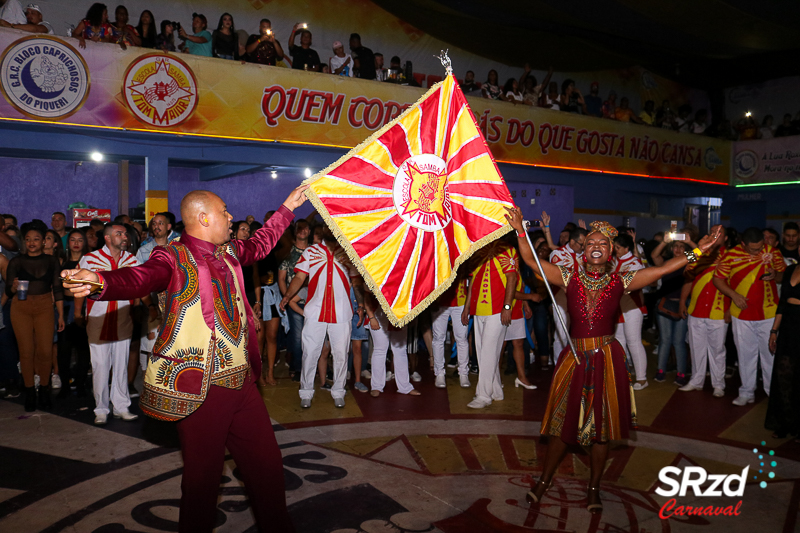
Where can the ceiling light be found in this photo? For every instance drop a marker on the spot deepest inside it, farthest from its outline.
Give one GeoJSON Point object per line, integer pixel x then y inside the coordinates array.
{"type": "Point", "coordinates": [308, 173]}
{"type": "Point", "coordinates": [96, 156]}
{"type": "Point", "coordinates": [274, 174]}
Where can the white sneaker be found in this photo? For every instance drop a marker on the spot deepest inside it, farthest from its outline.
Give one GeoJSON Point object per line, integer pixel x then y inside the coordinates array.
{"type": "Point", "coordinates": [640, 386]}
{"type": "Point", "coordinates": [55, 382]}
{"type": "Point", "coordinates": [719, 393]}
{"type": "Point", "coordinates": [366, 374]}
{"type": "Point", "coordinates": [415, 377]}
{"type": "Point", "coordinates": [100, 420]}
{"type": "Point", "coordinates": [478, 404]}
{"type": "Point", "coordinates": [338, 402]}
{"type": "Point", "coordinates": [741, 400]}
{"type": "Point", "coordinates": [689, 388]}
{"type": "Point", "coordinates": [305, 403]}
{"type": "Point", "coordinates": [127, 416]}
{"type": "Point", "coordinates": [389, 375]}
{"type": "Point", "coordinates": [440, 383]}
{"type": "Point", "coordinates": [464, 381]}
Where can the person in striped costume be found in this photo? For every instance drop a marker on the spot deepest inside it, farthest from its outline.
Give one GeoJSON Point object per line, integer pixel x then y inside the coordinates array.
{"type": "Point", "coordinates": [591, 399]}
{"type": "Point", "coordinates": [632, 309]}
{"type": "Point", "coordinates": [708, 317]}
{"type": "Point", "coordinates": [748, 275]}
{"type": "Point", "coordinates": [109, 327]}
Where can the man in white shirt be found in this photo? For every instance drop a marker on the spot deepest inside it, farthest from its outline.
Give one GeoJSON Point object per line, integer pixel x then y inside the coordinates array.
{"type": "Point", "coordinates": [11, 12]}
{"type": "Point", "coordinates": [33, 21]}
{"type": "Point", "coordinates": [328, 311]}
{"type": "Point", "coordinates": [569, 256]}
{"type": "Point", "coordinates": [109, 327]}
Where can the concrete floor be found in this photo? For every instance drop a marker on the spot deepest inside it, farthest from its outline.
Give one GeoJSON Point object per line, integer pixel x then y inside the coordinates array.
{"type": "Point", "coordinates": [401, 464]}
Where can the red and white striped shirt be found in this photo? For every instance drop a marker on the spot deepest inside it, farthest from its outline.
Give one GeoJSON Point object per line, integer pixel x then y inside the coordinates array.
{"type": "Point", "coordinates": [566, 257]}
{"type": "Point", "coordinates": [629, 263]}
{"type": "Point", "coordinates": [328, 285]}
{"type": "Point", "coordinates": [108, 321]}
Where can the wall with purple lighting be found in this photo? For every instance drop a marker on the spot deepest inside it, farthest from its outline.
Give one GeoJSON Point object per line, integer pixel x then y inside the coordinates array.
{"type": "Point", "coordinates": [35, 188]}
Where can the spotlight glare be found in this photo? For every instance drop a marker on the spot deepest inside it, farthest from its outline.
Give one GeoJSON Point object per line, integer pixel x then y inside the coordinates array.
{"type": "Point", "coordinates": [308, 172]}
{"type": "Point", "coordinates": [274, 175]}
{"type": "Point", "coordinates": [96, 156]}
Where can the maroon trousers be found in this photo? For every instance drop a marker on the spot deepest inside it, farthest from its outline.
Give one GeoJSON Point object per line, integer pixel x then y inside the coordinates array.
{"type": "Point", "coordinates": [236, 420]}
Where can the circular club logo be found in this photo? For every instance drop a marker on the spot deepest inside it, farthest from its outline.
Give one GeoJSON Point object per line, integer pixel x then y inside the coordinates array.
{"type": "Point", "coordinates": [745, 164]}
{"type": "Point", "coordinates": [420, 192]}
{"type": "Point", "coordinates": [160, 90]}
{"type": "Point", "coordinates": [44, 77]}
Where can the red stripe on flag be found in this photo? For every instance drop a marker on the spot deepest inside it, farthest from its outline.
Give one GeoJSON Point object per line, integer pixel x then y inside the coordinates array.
{"type": "Point", "coordinates": [395, 141]}
{"type": "Point", "coordinates": [457, 101]}
{"type": "Point", "coordinates": [473, 148]}
{"type": "Point", "coordinates": [359, 171]}
{"type": "Point", "coordinates": [451, 243]}
{"type": "Point", "coordinates": [344, 206]}
{"type": "Point", "coordinates": [395, 278]}
{"type": "Point", "coordinates": [429, 124]}
{"type": "Point", "coordinates": [366, 244]}
{"type": "Point", "coordinates": [477, 227]}
{"type": "Point", "coordinates": [425, 281]}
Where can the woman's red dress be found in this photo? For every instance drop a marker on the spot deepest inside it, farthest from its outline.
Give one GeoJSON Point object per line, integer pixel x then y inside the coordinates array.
{"type": "Point", "coordinates": [592, 401]}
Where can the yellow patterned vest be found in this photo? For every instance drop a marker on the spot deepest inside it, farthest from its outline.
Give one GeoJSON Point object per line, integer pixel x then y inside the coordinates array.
{"type": "Point", "coordinates": [188, 355]}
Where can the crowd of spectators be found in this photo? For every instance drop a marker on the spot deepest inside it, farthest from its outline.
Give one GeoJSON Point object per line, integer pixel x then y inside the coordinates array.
{"type": "Point", "coordinates": [264, 47]}
{"type": "Point", "coordinates": [224, 42]}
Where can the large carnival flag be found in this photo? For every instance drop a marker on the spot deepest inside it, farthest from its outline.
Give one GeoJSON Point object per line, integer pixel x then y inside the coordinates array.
{"type": "Point", "coordinates": [415, 200]}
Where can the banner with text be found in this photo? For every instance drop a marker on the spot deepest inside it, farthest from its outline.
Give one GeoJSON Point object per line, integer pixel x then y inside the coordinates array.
{"type": "Point", "coordinates": [50, 79]}
{"type": "Point", "coordinates": [767, 161]}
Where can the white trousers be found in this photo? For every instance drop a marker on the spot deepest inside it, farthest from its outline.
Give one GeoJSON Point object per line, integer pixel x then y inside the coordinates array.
{"type": "Point", "coordinates": [629, 334]}
{"type": "Point", "coordinates": [110, 358]}
{"type": "Point", "coordinates": [381, 340]}
{"type": "Point", "coordinates": [561, 337]}
{"type": "Point", "coordinates": [439, 327]}
{"type": "Point", "coordinates": [313, 338]}
{"type": "Point", "coordinates": [146, 345]}
{"type": "Point", "coordinates": [707, 344]}
{"type": "Point", "coordinates": [490, 334]}
{"type": "Point", "coordinates": [752, 343]}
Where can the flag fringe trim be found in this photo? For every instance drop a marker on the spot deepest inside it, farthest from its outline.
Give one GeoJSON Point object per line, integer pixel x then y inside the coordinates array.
{"type": "Point", "coordinates": [353, 255]}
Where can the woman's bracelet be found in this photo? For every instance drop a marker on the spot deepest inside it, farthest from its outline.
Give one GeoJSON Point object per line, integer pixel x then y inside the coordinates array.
{"type": "Point", "coordinates": [773, 332]}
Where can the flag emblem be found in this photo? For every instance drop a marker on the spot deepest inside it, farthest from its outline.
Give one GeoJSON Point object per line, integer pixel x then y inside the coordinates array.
{"type": "Point", "coordinates": [420, 192]}
{"type": "Point", "coordinates": [414, 201]}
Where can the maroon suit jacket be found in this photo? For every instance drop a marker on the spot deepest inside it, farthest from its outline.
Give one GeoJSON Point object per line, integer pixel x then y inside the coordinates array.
{"type": "Point", "coordinates": [156, 275]}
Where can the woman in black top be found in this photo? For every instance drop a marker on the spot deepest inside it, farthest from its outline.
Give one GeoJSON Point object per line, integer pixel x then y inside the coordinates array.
{"type": "Point", "coordinates": [32, 318]}
{"type": "Point", "coordinates": [74, 334]}
{"type": "Point", "coordinates": [147, 29]}
{"type": "Point", "coordinates": [225, 40]}
{"type": "Point", "coordinates": [783, 410]}
{"type": "Point", "coordinates": [166, 39]}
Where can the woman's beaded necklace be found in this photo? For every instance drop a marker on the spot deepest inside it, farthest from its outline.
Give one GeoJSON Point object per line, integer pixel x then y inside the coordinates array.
{"type": "Point", "coordinates": [593, 287]}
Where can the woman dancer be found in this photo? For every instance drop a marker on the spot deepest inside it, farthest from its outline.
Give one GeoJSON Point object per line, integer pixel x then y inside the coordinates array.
{"type": "Point", "coordinates": [591, 402]}
{"type": "Point", "coordinates": [782, 413]}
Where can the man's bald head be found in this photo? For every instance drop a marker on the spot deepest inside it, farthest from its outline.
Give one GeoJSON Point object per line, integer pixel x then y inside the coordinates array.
{"type": "Point", "coordinates": [206, 217]}
{"type": "Point", "coordinates": [194, 203]}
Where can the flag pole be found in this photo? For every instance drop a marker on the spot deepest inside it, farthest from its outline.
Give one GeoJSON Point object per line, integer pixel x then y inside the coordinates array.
{"type": "Point", "coordinates": [556, 308]}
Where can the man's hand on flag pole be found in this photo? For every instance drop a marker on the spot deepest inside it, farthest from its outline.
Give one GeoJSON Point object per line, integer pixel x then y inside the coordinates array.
{"type": "Point", "coordinates": [296, 199]}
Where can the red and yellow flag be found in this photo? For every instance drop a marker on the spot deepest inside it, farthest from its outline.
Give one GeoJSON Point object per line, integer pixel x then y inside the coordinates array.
{"type": "Point", "coordinates": [415, 200]}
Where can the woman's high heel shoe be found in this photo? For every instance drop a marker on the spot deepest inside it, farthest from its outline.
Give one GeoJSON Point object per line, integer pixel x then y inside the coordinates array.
{"type": "Point", "coordinates": [594, 508]}
{"type": "Point", "coordinates": [531, 497]}
{"type": "Point", "coordinates": [518, 383]}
